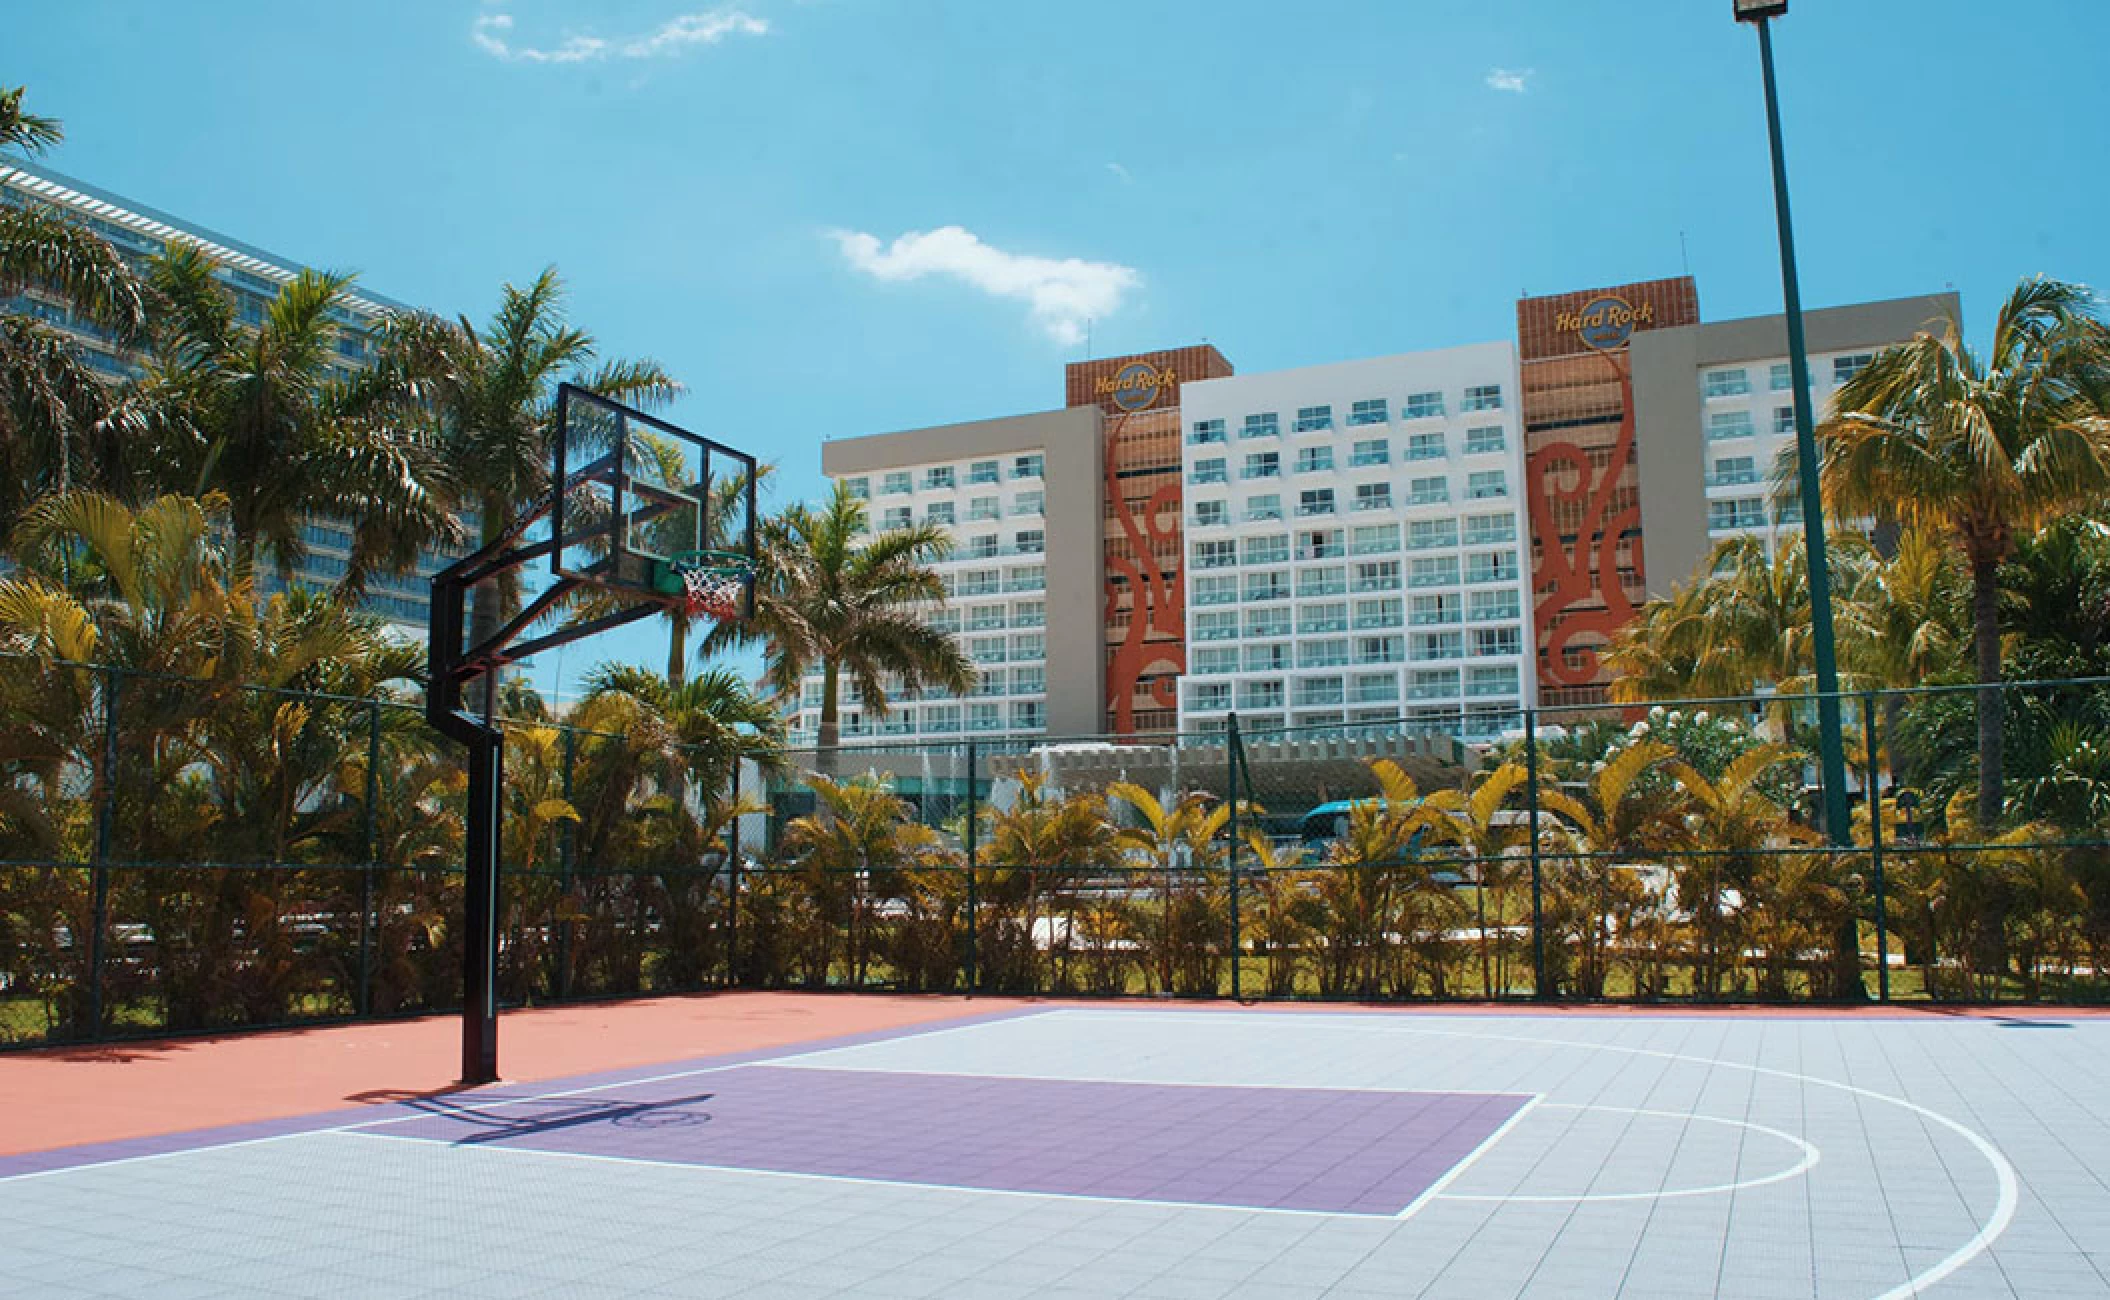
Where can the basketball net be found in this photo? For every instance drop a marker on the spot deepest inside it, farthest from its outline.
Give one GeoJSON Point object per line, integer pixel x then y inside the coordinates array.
{"type": "Point", "coordinates": [713, 593]}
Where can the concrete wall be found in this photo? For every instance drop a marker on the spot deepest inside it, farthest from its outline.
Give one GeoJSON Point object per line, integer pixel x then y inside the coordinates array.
{"type": "Point", "coordinates": [1070, 442]}
{"type": "Point", "coordinates": [1670, 434]}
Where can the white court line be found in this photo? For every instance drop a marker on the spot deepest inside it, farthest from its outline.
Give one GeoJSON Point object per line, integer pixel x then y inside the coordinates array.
{"type": "Point", "coordinates": [1435, 1189]}
{"type": "Point", "coordinates": [1810, 1156]}
{"type": "Point", "coordinates": [866, 1182]}
{"type": "Point", "coordinates": [358, 1126]}
{"type": "Point", "coordinates": [2005, 1203]}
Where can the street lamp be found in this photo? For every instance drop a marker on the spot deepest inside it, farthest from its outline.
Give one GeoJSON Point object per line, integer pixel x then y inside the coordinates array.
{"type": "Point", "coordinates": [1838, 821]}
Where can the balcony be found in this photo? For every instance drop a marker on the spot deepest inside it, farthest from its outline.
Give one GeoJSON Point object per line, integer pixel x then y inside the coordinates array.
{"type": "Point", "coordinates": [1381, 502]}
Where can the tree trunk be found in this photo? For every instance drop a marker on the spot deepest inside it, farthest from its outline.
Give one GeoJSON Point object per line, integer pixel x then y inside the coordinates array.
{"type": "Point", "coordinates": [487, 605]}
{"type": "Point", "coordinates": [830, 737]}
{"type": "Point", "coordinates": [1985, 618]}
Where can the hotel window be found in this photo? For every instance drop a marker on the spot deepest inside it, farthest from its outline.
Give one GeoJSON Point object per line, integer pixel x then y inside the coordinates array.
{"type": "Point", "coordinates": [985, 618]}
{"type": "Point", "coordinates": [860, 488]}
{"type": "Point", "coordinates": [1215, 555]}
{"type": "Point", "coordinates": [1384, 612]}
{"type": "Point", "coordinates": [1264, 425]}
{"type": "Point", "coordinates": [980, 548]}
{"type": "Point", "coordinates": [1269, 620]}
{"type": "Point", "coordinates": [938, 477]}
{"type": "Point", "coordinates": [983, 508]}
{"type": "Point", "coordinates": [1426, 446]}
{"type": "Point", "coordinates": [1432, 684]}
{"type": "Point", "coordinates": [1267, 659]}
{"type": "Point", "coordinates": [1030, 541]}
{"type": "Point", "coordinates": [1310, 419]}
{"type": "Point", "coordinates": [1208, 514]}
{"type": "Point", "coordinates": [1780, 377]}
{"type": "Point", "coordinates": [1322, 654]}
{"type": "Point", "coordinates": [1733, 469]}
{"type": "Point", "coordinates": [985, 717]}
{"type": "Point", "coordinates": [1315, 501]}
{"type": "Point", "coordinates": [1377, 575]}
{"type": "Point", "coordinates": [1214, 661]}
{"type": "Point", "coordinates": [944, 718]}
{"type": "Point", "coordinates": [1027, 503]}
{"type": "Point", "coordinates": [1029, 613]}
{"type": "Point", "coordinates": [1267, 586]}
{"type": "Point", "coordinates": [1370, 451]}
{"type": "Point", "coordinates": [1322, 582]}
{"type": "Point", "coordinates": [1216, 625]}
{"type": "Point", "coordinates": [1729, 424]}
{"type": "Point", "coordinates": [1486, 483]}
{"type": "Point", "coordinates": [895, 517]}
{"type": "Point", "coordinates": [1432, 610]}
{"type": "Point", "coordinates": [1213, 696]}
{"type": "Point", "coordinates": [982, 471]}
{"type": "Point", "coordinates": [1263, 464]}
{"type": "Point", "coordinates": [1488, 606]}
{"type": "Point", "coordinates": [1028, 715]}
{"type": "Point", "coordinates": [1845, 368]}
{"type": "Point", "coordinates": [1783, 420]}
{"type": "Point", "coordinates": [1375, 688]}
{"type": "Point", "coordinates": [1264, 507]}
{"type": "Point", "coordinates": [939, 512]}
{"type": "Point", "coordinates": [1482, 397]}
{"type": "Point", "coordinates": [1329, 617]}
{"type": "Point", "coordinates": [1492, 641]}
{"type": "Point", "coordinates": [1219, 590]}
{"type": "Point", "coordinates": [1319, 544]}
{"type": "Point", "coordinates": [1435, 571]}
{"type": "Point", "coordinates": [1029, 466]}
{"type": "Point", "coordinates": [1496, 679]}
{"type": "Point", "coordinates": [1370, 412]}
{"type": "Point", "coordinates": [1273, 549]}
{"type": "Point", "coordinates": [1380, 649]}
{"type": "Point", "coordinates": [1209, 471]}
{"type": "Point", "coordinates": [1318, 691]}
{"type": "Point", "coordinates": [1741, 512]}
{"type": "Point", "coordinates": [1314, 460]}
{"type": "Point", "coordinates": [1373, 496]}
{"type": "Point", "coordinates": [1420, 406]}
{"type": "Point", "coordinates": [1029, 681]}
{"type": "Point", "coordinates": [896, 483]}
{"type": "Point", "coordinates": [1374, 539]}
{"type": "Point", "coordinates": [1491, 566]}
{"type": "Point", "coordinates": [1725, 383]}
{"type": "Point", "coordinates": [1429, 491]}
{"type": "Point", "coordinates": [1032, 645]}
{"type": "Point", "coordinates": [1484, 439]}
{"type": "Point", "coordinates": [988, 650]}
{"type": "Point", "coordinates": [1431, 534]}
{"type": "Point", "coordinates": [1439, 645]}
{"type": "Point", "coordinates": [1205, 432]}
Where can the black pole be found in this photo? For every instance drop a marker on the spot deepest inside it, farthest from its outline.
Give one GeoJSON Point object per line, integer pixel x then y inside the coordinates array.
{"type": "Point", "coordinates": [369, 851]}
{"type": "Point", "coordinates": [973, 816]}
{"type": "Point", "coordinates": [567, 865]}
{"type": "Point", "coordinates": [1869, 727]}
{"type": "Point", "coordinates": [1233, 751]}
{"type": "Point", "coordinates": [1538, 909]}
{"type": "Point", "coordinates": [105, 836]}
{"type": "Point", "coordinates": [732, 885]}
{"type": "Point", "coordinates": [1838, 818]}
{"type": "Point", "coordinates": [480, 909]}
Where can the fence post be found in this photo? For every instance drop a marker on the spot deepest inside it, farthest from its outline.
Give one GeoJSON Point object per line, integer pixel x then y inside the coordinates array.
{"type": "Point", "coordinates": [105, 834]}
{"type": "Point", "coordinates": [732, 885]}
{"type": "Point", "coordinates": [1538, 911]}
{"type": "Point", "coordinates": [567, 838]}
{"type": "Point", "coordinates": [1232, 753]}
{"type": "Point", "coordinates": [369, 849]}
{"type": "Point", "coordinates": [973, 817]}
{"type": "Point", "coordinates": [1871, 732]}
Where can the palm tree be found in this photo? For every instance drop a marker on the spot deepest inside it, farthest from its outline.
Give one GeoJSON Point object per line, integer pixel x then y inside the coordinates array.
{"type": "Point", "coordinates": [276, 424]}
{"type": "Point", "coordinates": [1735, 822]}
{"type": "Point", "coordinates": [1180, 842]}
{"type": "Point", "coordinates": [1480, 823]}
{"type": "Point", "coordinates": [492, 396]}
{"type": "Point", "coordinates": [1043, 842]}
{"type": "Point", "coordinates": [1622, 817]}
{"type": "Point", "coordinates": [1986, 450]}
{"type": "Point", "coordinates": [856, 606]}
{"type": "Point", "coordinates": [25, 132]}
{"type": "Point", "coordinates": [862, 836]}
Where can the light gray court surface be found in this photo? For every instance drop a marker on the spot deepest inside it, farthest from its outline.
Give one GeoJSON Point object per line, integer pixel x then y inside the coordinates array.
{"type": "Point", "coordinates": [1658, 1156]}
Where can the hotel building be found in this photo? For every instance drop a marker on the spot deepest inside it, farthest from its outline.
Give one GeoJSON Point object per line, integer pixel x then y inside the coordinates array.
{"type": "Point", "coordinates": [253, 278]}
{"type": "Point", "coordinates": [1354, 538]}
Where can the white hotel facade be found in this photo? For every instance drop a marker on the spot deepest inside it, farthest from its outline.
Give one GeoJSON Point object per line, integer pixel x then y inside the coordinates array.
{"type": "Point", "coordinates": [1356, 546]}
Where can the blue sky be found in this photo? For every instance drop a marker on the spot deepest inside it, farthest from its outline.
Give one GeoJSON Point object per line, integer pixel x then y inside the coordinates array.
{"type": "Point", "coordinates": [835, 217]}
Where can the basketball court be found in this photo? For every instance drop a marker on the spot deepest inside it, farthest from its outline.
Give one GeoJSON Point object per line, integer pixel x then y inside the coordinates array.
{"type": "Point", "coordinates": [1103, 1150]}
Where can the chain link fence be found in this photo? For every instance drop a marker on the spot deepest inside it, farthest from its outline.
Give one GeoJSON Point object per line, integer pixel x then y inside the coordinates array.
{"type": "Point", "coordinates": [181, 855]}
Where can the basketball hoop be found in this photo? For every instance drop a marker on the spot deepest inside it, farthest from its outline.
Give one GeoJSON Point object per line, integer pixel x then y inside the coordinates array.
{"type": "Point", "coordinates": [709, 584]}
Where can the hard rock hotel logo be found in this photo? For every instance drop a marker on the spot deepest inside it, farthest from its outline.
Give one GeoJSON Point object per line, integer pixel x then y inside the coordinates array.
{"type": "Point", "coordinates": [1138, 386]}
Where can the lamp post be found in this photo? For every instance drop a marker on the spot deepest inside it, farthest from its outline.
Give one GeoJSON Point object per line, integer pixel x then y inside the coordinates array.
{"type": "Point", "coordinates": [1838, 821]}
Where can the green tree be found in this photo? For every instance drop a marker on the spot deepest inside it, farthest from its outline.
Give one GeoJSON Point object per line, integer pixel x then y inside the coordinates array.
{"type": "Point", "coordinates": [1984, 449]}
{"type": "Point", "coordinates": [856, 605]}
{"type": "Point", "coordinates": [1179, 842]}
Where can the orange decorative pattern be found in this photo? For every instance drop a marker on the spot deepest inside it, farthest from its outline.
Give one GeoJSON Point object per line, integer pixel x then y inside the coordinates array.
{"type": "Point", "coordinates": [1576, 586]}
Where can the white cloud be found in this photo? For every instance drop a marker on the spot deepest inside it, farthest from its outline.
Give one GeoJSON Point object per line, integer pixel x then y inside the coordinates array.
{"type": "Point", "coordinates": [676, 35]}
{"type": "Point", "coordinates": [1122, 172]}
{"type": "Point", "coordinates": [1062, 294]}
{"type": "Point", "coordinates": [1513, 80]}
